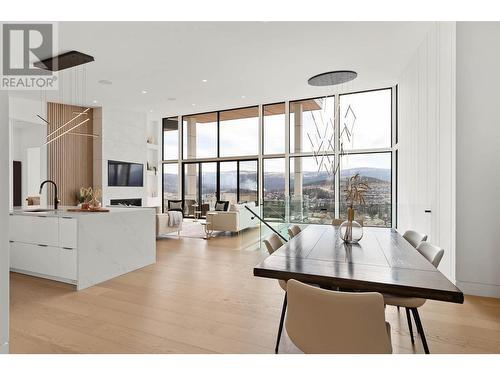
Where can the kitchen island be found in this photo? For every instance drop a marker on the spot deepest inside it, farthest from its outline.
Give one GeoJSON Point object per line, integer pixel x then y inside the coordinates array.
{"type": "Point", "coordinates": [81, 248]}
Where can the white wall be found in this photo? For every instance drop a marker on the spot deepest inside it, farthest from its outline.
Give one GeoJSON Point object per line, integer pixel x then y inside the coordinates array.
{"type": "Point", "coordinates": [27, 131]}
{"type": "Point", "coordinates": [123, 139]}
{"type": "Point", "coordinates": [29, 138]}
{"type": "Point", "coordinates": [478, 158]}
{"type": "Point", "coordinates": [426, 142]}
{"type": "Point", "coordinates": [4, 215]}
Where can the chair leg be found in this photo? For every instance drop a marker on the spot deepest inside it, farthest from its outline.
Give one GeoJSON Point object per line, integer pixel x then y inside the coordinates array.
{"type": "Point", "coordinates": [410, 326]}
{"type": "Point", "coordinates": [398, 308]}
{"type": "Point", "coordinates": [420, 329]}
{"type": "Point", "coordinates": [280, 329]}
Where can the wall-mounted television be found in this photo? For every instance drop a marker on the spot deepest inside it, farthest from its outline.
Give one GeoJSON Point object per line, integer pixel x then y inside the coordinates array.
{"type": "Point", "coordinates": [122, 173]}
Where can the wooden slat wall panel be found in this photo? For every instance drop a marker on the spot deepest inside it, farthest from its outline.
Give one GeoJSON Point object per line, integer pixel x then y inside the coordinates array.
{"type": "Point", "coordinates": [69, 158]}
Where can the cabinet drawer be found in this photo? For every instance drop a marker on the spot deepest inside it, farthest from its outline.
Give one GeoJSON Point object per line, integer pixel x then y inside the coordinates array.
{"type": "Point", "coordinates": [50, 261]}
{"type": "Point", "coordinates": [67, 263]}
{"type": "Point", "coordinates": [68, 236]}
{"type": "Point", "coordinates": [34, 258]}
{"type": "Point", "coordinates": [34, 229]}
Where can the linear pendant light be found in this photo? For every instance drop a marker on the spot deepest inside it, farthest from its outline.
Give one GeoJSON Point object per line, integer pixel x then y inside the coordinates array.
{"type": "Point", "coordinates": [66, 123]}
{"type": "Point", "coordinates": [84, 135]}
{"type": "Point", "coordinates": [67, 131]}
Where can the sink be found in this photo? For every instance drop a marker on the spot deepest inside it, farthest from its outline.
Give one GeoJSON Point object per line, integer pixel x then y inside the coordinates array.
{"type": "Point", "coordinates": [40, 210]}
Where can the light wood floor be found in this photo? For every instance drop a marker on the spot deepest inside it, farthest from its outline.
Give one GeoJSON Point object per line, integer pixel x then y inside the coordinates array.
{"type": "Point", "coordinates": [201, 297]}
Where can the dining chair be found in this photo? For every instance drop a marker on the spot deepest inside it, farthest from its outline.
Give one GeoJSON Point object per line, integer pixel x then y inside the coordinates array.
{"type": "Point", "coordinates": [322, 321]}
{"type": "Point", "coordinates": [273, 243]}
{"type": "Point", "coordinates": [293, 231]}
{"type": "Point", "coordinates": [433, 254]}
{"type": "Point", "coordinates": [414, 238]}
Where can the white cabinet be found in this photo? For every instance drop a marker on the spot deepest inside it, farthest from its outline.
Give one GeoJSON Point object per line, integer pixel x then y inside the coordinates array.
{"type": "Point", "coordinates": [44, 246]}
{"type": "Point", "coordinates": [35, 229]}
{"type": "Point", "coordinates": [34, 258]}
{"type": "Point", "coordinates": [68, 232]}
{"type": "Point", "coordinates": [67, 263]}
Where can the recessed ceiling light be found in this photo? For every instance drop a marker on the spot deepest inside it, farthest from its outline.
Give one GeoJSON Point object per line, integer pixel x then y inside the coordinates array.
{"type": "Point", "coordinates": [150, 111]}
{"type": "Point", "coordinates": [204, 80]}
{"type": "Point", "coordinates": [193, 104]}
{"type": "Point", "coordinates": [95, 101]}
{"type": "Point", "coordinates": [243, 96]}
{"type": "Point", "coordinates": [105, 82]}
{"type": "Point", "coordinates": [144, 91]}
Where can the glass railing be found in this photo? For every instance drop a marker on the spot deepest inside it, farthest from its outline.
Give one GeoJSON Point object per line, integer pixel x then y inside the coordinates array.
{"type": "Point", "coordinates": [281, 214]}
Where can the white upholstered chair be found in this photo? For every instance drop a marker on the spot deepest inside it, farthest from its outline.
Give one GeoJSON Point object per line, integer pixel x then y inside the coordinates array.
{"type": "Point", "coordinates": [273, 243]}
{"type": "Point", "coordinates": [414, 238]}
{"type": "Point", "coordinates": [326, 322]}
{"type": "Point", "coordinates": [433, 254]}
{"type": "Point", "coordinates": [293, 231]}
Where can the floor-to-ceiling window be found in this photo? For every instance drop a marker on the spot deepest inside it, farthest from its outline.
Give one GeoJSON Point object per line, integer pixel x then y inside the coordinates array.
{"type": "Point", "coordinates": [229, 181]}
{"type": "Point", "coordinates": [239, 132]}
{"type": "Point", "coordinates": [170, 166]}
{"type": "Point", "coordinates": [374, 169]}
{"type": "Point", "coordinates": [367, 145]}
{"type": "Point", "coordinates": [312, 190]}
{"type": "Point", "coordinates": [329, 139]}
{"type": "Point", "coordinates": [248, 181]}
{"type": "Point", "coordinates": [274, 123]}
{"type": "Point", "coordinates": [199, 136]}
{"type": "Point", "coordinates": [170, 138]}
{"type": "Point", "coordinates": [170, 182]}
{"type": "Point", "coordinates": [274, 194]}
{"type": "Point", "coordinates": [312, 160]}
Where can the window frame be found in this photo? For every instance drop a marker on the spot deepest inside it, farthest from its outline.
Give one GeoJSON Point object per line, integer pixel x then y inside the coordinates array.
{"type": "Point", "coordinates": [263, 139]}
{"type": "Point", "coordinates": [289, 154]}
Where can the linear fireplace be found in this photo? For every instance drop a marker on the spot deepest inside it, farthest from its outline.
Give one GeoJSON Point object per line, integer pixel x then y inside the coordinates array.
{"type": "Point", "coordinates": [126, 202]}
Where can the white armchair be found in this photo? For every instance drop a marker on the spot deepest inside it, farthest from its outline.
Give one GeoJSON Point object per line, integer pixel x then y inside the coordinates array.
{"type": "Point", "coordinates": [162, 225]}
{"type": "Point", "coordinates": [234, 220]}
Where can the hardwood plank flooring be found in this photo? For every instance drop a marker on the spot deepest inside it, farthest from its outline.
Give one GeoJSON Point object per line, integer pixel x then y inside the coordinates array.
{"type": "Point", "coordinates": [201, 297]}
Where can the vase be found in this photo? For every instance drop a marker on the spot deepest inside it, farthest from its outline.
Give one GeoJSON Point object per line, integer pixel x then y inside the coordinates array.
{"type": "Point", "coordinates": [350, 230]}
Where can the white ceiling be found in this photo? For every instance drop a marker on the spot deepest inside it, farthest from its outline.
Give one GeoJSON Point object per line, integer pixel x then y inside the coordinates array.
{"type": "Point", "coordinates": [262, 61]}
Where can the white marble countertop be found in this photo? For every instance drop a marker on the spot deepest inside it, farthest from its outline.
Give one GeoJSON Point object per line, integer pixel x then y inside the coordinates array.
{"type": "Point", "coordinates": [62, 211]}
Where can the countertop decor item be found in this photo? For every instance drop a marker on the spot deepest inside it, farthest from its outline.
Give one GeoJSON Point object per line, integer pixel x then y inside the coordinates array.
{"type": "Point", "coordinates": [350, 230]}
{"type": "Point", "coordinates": [89, 198]}
{"type": "Point", "coordinates": [96, 209]}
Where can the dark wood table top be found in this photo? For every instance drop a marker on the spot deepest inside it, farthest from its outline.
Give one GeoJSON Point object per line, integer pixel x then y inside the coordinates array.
{"type": "Point", "coordinates": [383, 261]}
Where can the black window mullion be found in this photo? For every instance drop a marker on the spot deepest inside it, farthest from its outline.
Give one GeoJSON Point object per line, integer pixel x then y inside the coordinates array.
{"type": "Point", "coordinates": [237, 181]}
{"type": "Point", "coordinates": [218, 134]}
{"type": "Point", "coordinates": [217, 192]}
{"type": "Point", "coordinates": [200, 181]}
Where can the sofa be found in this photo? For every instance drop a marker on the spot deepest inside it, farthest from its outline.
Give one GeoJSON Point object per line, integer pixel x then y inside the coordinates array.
{"type": "Point", "coordinates": [235, 219]}
{"type": "Point", "coordinates": [162, 224]}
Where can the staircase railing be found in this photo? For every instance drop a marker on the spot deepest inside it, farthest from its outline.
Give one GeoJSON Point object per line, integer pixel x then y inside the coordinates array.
{"type": "Point", "coordinates": [265, 223]}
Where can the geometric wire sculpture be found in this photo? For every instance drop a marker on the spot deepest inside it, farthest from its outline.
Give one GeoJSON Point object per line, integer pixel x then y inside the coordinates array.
{"type": "Point", "coordinates": [322, 137]}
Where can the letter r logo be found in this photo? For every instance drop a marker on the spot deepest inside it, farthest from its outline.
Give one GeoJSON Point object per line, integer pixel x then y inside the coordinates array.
{"type": "Point", "coordinates": [24, 44]}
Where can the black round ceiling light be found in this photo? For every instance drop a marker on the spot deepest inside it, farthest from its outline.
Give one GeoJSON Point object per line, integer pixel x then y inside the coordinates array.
{"type": "Point", "coordinates": [332, 78]}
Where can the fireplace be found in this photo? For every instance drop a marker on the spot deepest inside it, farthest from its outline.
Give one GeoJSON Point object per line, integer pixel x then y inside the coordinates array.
{"type": "Point", "coordinates": [137, 202]}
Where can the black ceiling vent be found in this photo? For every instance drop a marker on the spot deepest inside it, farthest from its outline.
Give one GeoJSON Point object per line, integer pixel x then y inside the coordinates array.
{"type": "Point", "coordinates": [64, 61]}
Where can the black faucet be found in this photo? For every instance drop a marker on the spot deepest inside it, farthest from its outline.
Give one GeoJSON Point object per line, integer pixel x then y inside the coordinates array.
{"type": "Point", "coordinates": [56, 199]}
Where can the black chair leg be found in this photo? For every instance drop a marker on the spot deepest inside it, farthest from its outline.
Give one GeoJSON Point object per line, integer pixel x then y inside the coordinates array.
{"type": "Point", "coordinates": [283, 310]}
{"type": "Point", "coordinates": [410, 326]}
{"type": "Point", "coordinates": [420, 329]}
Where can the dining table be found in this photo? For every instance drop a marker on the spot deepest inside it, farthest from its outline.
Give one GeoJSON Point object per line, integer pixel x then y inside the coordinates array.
{"type": "Point", "coordinates": [382, 261]}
